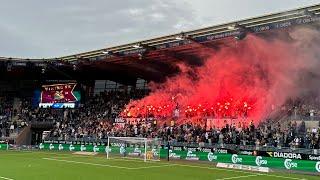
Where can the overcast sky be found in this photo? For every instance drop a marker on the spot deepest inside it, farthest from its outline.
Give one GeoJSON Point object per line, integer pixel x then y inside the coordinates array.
{"type": "Point", "coordinates": [53, 28]}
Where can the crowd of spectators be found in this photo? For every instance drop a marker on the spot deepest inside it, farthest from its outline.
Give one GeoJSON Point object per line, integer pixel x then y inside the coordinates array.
{"type": "Point", "coordinates": [294, 136]}
{"type": "Point", "coordinates": [89, 120]}
{"type": "Point", "coordinates": [305, 107]}
{"type": "Point", "coordinates": [95, 120]}
{"type": "Point", "coordinates": [6, 112]}
{"type": "Point", "coordinates": [97, 123]}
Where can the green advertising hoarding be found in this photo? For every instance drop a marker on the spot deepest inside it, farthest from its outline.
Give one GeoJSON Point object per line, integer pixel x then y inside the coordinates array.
{"type": "Point", "coordinates": [72, 147]}
{"type": "Point", "coordinates": [279, 163]}
{"type": "Point", "coordinates": [3, 146]}
{"type": "Point", "coordinates": [92, 148]}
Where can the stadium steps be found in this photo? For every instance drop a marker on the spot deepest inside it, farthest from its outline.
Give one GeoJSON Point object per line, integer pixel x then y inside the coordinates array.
{"type": "Point", "coordinates": [17, 106]}
{"type": "Point", "coordinates": [24, 137]}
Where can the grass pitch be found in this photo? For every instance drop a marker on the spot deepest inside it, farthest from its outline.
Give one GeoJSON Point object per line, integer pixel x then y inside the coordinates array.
{"type": "Point", "coordinates": [25, 165]}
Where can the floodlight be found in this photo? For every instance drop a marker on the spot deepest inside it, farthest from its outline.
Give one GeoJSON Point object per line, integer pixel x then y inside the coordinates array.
{"type": "Point", "coordinates": [232, 27]}
{"type": "Point", "coordinates": [137, 46]}
{"type": "Point", "coordinates": [105, 52]}
{"type": "Point", "coordinates": [236, 26]}
{"type": "Point", "coordinates": [179, 38]}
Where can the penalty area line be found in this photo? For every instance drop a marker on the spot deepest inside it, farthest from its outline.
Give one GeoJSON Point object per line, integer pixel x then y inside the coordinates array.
{"type": "Point", "coordinates": [147, 167]}
{"type": "Point", "coordinates": [1, 177]}
{"type": "Point", "coordinates": [86, 163]}
{"type": "Point", "coordinates": [105, 165]}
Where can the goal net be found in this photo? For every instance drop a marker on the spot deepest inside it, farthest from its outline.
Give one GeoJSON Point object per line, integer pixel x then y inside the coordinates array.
{"type": "Point", "coordinates": [133, 147]}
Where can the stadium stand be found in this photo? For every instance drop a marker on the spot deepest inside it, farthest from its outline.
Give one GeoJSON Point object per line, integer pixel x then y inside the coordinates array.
{"type": "Point", "coordinates": [94, 120]}
{"type": "Point", "coordinates": [77, 110]}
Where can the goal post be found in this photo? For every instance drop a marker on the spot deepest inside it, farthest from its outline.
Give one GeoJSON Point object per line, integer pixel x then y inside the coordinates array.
{"type": "Point", "coordinates": [133, 147]}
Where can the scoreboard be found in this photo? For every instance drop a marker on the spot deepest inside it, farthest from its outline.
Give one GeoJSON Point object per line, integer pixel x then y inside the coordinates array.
{"type": "Point", "coordinates": [59, 96]}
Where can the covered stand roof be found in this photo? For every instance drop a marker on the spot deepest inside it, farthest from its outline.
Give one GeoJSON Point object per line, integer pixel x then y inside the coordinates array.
{"type": "Point", "coordinates": [156, 58]}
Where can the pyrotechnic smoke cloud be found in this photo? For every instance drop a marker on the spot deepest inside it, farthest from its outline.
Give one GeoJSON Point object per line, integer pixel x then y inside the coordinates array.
{"type": "Point", "coordinates": [256, 73]}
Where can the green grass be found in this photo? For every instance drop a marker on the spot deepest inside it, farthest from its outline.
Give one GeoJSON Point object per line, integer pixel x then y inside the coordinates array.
{"type": "Point", "coordinates": [24, 165]}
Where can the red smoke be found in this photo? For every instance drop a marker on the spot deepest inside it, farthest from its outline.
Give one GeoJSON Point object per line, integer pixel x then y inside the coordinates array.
{"type": "Point", "coordinates": [244, 79]}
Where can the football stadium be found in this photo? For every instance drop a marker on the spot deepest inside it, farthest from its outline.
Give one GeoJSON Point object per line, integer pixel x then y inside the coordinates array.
{"type": "Point", "coordinates": [237, 100]}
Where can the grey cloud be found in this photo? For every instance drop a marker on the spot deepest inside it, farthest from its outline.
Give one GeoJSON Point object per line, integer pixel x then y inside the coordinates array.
{"type": "Point", "coordinates": [58, 28]}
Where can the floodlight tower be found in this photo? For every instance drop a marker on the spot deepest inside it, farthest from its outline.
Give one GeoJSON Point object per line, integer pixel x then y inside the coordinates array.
{"type": "Point", "coordinates": [243, 30]}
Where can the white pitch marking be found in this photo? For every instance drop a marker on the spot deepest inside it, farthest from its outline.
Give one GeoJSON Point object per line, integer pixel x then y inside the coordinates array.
{"type": "Point", "coordinates": [94, 164]}
{"type": "Point", "coordinates": [219, 169]}
{"type": "Point", "coordinates": [183, 165]}
{"type": "Point", "coordinates": [1, 177]}
{"type": "Point", "coordinates": [283, 177]}
{"type": "Point", "coordinates": [147, 167]}
{"type": "Point", "coordinates": [105, 165]}
{"type": "Point", "coordinates": [112, 159]}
